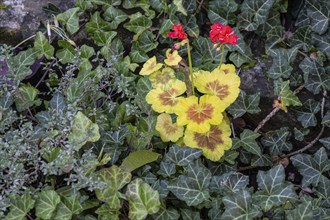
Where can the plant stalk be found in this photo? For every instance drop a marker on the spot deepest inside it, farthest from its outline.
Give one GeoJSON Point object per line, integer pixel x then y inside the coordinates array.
{"type": "Point", "coordinates": [190, 69]}
{"type": "Point", "coordinates": [222, 54]}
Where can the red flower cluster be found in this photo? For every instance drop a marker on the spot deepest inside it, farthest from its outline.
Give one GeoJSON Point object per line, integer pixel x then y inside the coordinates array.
{"type": "Point", "coordinates": [222, 34]}
{"type": "Point", "coordinates": [178, 32]}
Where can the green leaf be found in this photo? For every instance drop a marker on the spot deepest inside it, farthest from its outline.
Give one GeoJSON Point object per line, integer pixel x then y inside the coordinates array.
{"type": "Point", "coordinates": [67, 53]}
{"type": "Point", "coordinates": [46, 204]}
{"type": "Point", "coordinates": [326, 142]}
{"type": "Point", "coordinates": [113, 51]}
{"type": "Point", "coordinates": [42, 44]}
{"type": "Point", "coordinates": [20, 64]}
{"type": "Point", "coordinates": [115, 16]}
{"type": "Point", "coordinates": [245, 103]}
{"type": "Point", "coordinates": [242, 52]}
{"type": "Point", "coordinates": [165, 214]}
{"type": "Point", "coordinates": [315, 76]}
{"type": "Point", "coordinates": [323, 192]}
{"type": "Point", "coordinates": [138, 24]}
{"type": "Point", "coordinates": [84, 5]}
{"type": "Point", "coordinates": [273, 20]}
{"type": "Point", "coordinates": [277, 141]}
{"type": "Point", "coordinates": [239, 206]}
{"type": "Point", "coordinates": [204, 52]}
{"type": "Point", "coordinates": [57, 103]}
{"type": "Point", "coordinates": [228, 183]}
{"type": "Point", "coordinates": [303, 211]}
{"type": "Point", "coordinates": [167, 169]}
{"type": "Point", "coordinates": [105, 212]}
{"type": "Point", "coordinates": [312, 167]}
{"type": "Point", "coordinates": [306, 113]}
{"type": "Point", "coordinates": [138, 56]}
{"type": "Point", "coordinates": [138, 159]}
{"type": "Point", "coordinates": [222, 11]}
{"type": "Point", "coordinates": [302, 38]}
{"type": "Point", "coordinates": [71, 19]}
{"type": "Point", "coordinates": [300, 134]}
{"type": "Point", "coordinates": [282, 58]}
{"type": "Point", "coordinates": [182, 156]}
{"type": "Point", "coordinates": [86, 51]}
{"type": "Point", "coordinates": [287, 96]}
{"type": "Point", "coordinates": [20, 207]}
{"type": "Point", "coordinates": [247, 142]}
{"type": "Point", "coordinates": [146, 42]}
{"type": "Point", "coordinates": [83, 130]}
{"type": "Point", "coordinates": [165, 27]}
{"type": "Point", "coordinates": [96, 23]}
{"type": "Point", "coordinates": [188, 214]}
{"type": "Point", "coordinates": [274, 191]}
{"type": "Point", "coordinates": [192, 186]}
{"type": "Point", "coordinates": [322, 42]}
{"type": "Point", "coordinates": [254, 13]}
{"type": "Point", "coordinates": [68, 207]}
{"type": "Point", "coordinates": [102, 38]}
{"type": "Point", "coordinates": [319, 14]}
{"type": "Point", "coordinates": [326, 119]}
{"type": "Point", "coordinates": [27, 97]}
{"type": "Point", "coordinates": [143, 200]}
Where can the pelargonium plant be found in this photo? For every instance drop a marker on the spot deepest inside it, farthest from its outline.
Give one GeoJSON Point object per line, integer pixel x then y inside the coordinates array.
{"type": "Point", "coordinates": [192, 112]}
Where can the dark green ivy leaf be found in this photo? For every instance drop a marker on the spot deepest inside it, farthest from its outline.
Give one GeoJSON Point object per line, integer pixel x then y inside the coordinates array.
{"type": "Point", "coordinates": [322, 42]}
{"type": "Point", "coordinates": [326, 119]}
{"type": "Point", "coordinates": [245, 103]}
{"type": "Point", "coordinates": [277, 141]}
{"type": "Point", "coordinates": [239, 206]}
{"type": "Point", "coordinates": [315, 76]}
{"type": "Point", "coordinates": [188, 214]}
{"type": "Point", "coordinates": [228, 183]}
{"type": "Point", "coordinates": [319, 14]}
{"type": "Point", "coordinates": [115, 16]}
{"type": "Point", "coordinates": [192, 186]}
{"type": "Point", "coordinates": [182, 156]}
{"type": "Point", "coordinates": [138, 24]}
{"type": "Point", "coordinates": [301, 37]}
{"type": "Point", "coordinates": [247, 142]}
{"type": "Point", "coordinates": [20, 207]}
{"type": "Point", "coordinates": [222, 11]}
{"type": "Point", "coordinates": [300, 134]}
{"type": "Point", "coordinates": [274, 191]}
{"type": "Point", "coordinates": [303, 211]}
{"type": "Point", "coordinates": [96, 23]}
{"type": "Point", "coordinates": [47, 203]}
{"type": "Point", "coordinates": [165, 214]}
{"type": "Point", "coordinates": [71, 19]}
{"type": "Point", "coordinates": [68, 207]}
{"type": "Point", "coordinates": [42, 44]}
{"type": "Point", "coordinates": [326, 142]}
{"type": "Point", "coordinates": [282, 58]}
{"type": "Point", "coordinates": [241, 51]}
{"type": "Point", "coordinates": [312, 167]}
{"type": "Point", "coordinates": [306, 113]}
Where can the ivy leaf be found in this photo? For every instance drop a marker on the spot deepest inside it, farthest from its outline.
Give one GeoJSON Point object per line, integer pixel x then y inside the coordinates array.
{"type": "Point", "coordinates": [138, 159]}
{"type": "Point", "coordinates": [254, 13]}
{"type": "Point", "coordinates": [188, 214]}
{"type": "Point", "coordinates": [83, 130]}
{"type": "Point", "coordinates": [273, 20]}
{"type": "Point", "coordinates": [242, 52]}
{"type": "Point", "coordinates": [71, 19]}
{"type": "Point", "coordinates": [167, 169]}
{"type": "Point", "coordinates": [273, 189]}
{"type": "Point", "coordinates": [20, 64]}
{"type": "Point", "coordinates": [322, 42]}
{"type": "Point", "coordinates": [245, 103]}
{"type": "Point", "coordinates": [20, 207]}
{"type": "Point", "coordinates": [239, 206]}
{"type": "Point", "coordinates": [222, 11]}
{"type": "Point", "coordinates": [27, 97]}
{"type": "Point", "coordinates": [165, 27]}
{"type": "Point", "coordinates": [247, 142]}
{"type": "Point", "coordinates": [306, 114]}
{"type": "Point", "coordinates": [112, 51]}
{"type": "Point", "coordinates": [303, 211]}
{"type": "Point", "coordinates": [115, 16]}
{"type": "Point", "coordinates": [146, 42]}
{"type": "Point", "coordinates": [312, 167]}
{"type": "Point", "coordinates": [105, 212]}
{"type": "Point", "coordinates": [42, 44]}
{"type": "Point", "coordinates": [143, 200]}
{"type": "Point", "coordinates": [191, 26]}
{"type": "Point", "coordinates": [319, 15]}
{"type": "Point", "coordinates": [68, 207]}
{"type": "Point", "coordinates": [323, 191]}
{"type": "Point", "coordinates": [287, 96]}
{"type": "Point", "coordinates": [182, 156]}
{"type": "Point", "coordinates": [103, 38]}
{"type": "Point", "coordinates": [281, 62]}
{"type": "Point", "coordinates": [47, 203]}
{"type": "Point", "coordinates": [300, 134]}
{"type": "Point", "coordinates": [67, 53]}
{"type": "Point", "coordinates": [228, 183]}
{"type": "Point", "coordinates": [165, 214]}
{"type": "Point", "coordinates": [204, 52]}
{"type": "Point", "coordinates": [138, 24]}
{"type": "Point", "coordinates": [326, 119]}
{"type": "Point", "coordinates": [325, 142]}
{"type": "Point", "coordinates": [96, 23]}
{"type": "Point", "coordinates": [277, 141]}
{"type": "Point", "coordinates": [302, 38]}
{"type": "Point", "coordinates": [192, 187]}
{"type": "Point", "coordinates": [315, 76]}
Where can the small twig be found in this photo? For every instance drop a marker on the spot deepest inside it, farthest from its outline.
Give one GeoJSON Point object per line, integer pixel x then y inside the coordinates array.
{"type": "Point", "coordinates": [275, 110]}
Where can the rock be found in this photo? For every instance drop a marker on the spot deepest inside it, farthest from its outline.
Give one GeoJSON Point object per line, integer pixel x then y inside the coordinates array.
{"type": "Point", "coordinates": [20, 19]}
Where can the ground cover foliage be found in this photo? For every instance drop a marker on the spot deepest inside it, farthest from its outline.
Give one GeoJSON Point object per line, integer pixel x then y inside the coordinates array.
{"type": "Point", "coordinates": [78, 139]}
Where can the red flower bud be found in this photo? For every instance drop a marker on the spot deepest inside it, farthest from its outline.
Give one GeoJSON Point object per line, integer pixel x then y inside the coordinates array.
{"type": "Point", "coordinates": [178, 32]}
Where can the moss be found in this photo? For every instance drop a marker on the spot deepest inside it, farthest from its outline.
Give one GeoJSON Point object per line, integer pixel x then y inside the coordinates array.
{"type": "Point", "coordinates": [3, 6]}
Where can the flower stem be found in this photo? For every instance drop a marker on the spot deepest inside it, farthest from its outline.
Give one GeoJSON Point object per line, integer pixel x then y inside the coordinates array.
{"type": "Point", "coordinates": [190, 69]}
{"type": "Point", "coordinates": [222, 54]}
